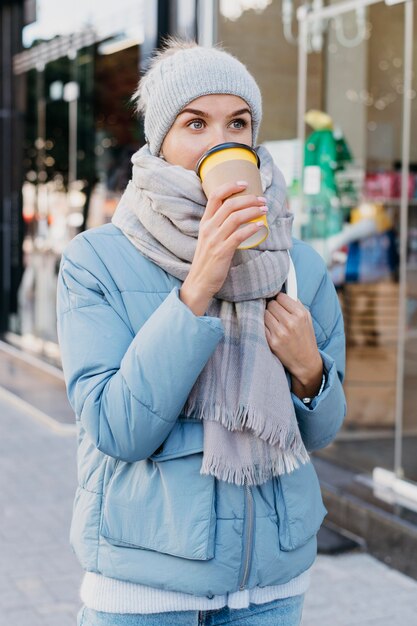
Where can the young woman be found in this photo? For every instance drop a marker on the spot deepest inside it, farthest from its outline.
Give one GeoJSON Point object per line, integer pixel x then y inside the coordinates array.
{"type": "Point", "coordinates": [199, 386]}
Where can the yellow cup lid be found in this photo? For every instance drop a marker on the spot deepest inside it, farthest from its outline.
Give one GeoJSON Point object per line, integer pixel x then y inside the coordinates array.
{"type": "Point", "coordinates": [240, 151]}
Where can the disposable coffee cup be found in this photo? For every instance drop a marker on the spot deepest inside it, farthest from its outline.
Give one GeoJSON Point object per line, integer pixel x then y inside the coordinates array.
{"type": "Point", "coordinates": [230, 162]}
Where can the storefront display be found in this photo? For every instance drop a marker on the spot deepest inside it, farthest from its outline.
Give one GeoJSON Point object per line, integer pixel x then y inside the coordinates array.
{"type": "Point", "coordinates": [80, 132]}
{"type": "Point", "coordinates": [373, 271]}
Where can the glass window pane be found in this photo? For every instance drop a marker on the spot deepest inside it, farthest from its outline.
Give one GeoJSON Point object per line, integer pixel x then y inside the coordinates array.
{"type": "Point", "coordinates": [363, 95]}
{"type": "Point", "coordinates": [80, 133]}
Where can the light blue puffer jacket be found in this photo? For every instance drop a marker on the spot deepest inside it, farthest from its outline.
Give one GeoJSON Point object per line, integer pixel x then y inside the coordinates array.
{"type": "Point", "coordinates": [131, 352]}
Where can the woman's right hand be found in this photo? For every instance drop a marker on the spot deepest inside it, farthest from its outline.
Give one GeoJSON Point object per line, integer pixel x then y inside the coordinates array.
{"type": "Point", "coordinates": [219, 237]}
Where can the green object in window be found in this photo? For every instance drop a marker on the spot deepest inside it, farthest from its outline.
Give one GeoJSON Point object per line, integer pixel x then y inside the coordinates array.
{"type": "Point", "coordinates": [327, 149]}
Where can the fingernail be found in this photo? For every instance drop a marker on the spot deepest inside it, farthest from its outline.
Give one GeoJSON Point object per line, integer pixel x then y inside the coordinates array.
{"type": "Point", "coordinates": [263, 209]}
{"type": "Point", "coordinates": [242, 183]}
{"type": "Point", "coordinates": [262, 199]}
{"type": "Point", "coordinates": [259, 224]}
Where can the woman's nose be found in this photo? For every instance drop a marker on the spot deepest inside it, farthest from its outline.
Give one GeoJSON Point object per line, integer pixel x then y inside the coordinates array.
{"type": "Point", "coordinates": [218, 136]}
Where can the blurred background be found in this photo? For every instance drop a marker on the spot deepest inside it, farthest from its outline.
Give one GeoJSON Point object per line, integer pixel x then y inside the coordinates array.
{"type": "Point", "coordinates": [340, 112]}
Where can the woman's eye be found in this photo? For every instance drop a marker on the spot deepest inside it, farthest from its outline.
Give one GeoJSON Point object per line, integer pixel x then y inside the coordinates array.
{"type": "Point", "coordinates": [196, 124]}
{"type": "Point", "coordinates": [239, 123]}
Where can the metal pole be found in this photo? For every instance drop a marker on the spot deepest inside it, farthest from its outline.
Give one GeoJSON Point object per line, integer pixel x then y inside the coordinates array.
{"type": "Point", "coordinates": [11, 171]}
{"type": "Point", "coordinates": [340, 8]}
{"type": "Point", "coordinates": [302, 16]}
{"type": "Point", "coordinates": [72, 143]}
{"type": "Point", "coordinates": [207, 12]}
{"type": "Point", "coordinates": [41, 129]}
{"type": "Point", "coordinates": [302, 101]}
{"type": "Point", "coordinates": [150, 14]}
{"type": "Point", "coordinates": [6, 165]}
{"type": "Point", "coordinates": [185, 20]}
{"type": "Point", "coordinates": [402, 303]}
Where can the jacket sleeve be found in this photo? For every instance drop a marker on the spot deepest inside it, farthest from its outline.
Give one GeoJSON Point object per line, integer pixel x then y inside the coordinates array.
{"type": "Point", "coordinates": [128, 390]}
{"type": "Point", "coordinates": [320, 422]}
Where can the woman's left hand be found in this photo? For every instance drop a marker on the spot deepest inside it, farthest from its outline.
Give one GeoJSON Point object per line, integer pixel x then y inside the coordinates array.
{"type": "Point", "coordinates": [290, 335]}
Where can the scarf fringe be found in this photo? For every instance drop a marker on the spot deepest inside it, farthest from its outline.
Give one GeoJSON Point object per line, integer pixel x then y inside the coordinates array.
{"type": "Point", "coordinates": [286, 463]}
{"type": "Point", "coordinates": [244, 418]}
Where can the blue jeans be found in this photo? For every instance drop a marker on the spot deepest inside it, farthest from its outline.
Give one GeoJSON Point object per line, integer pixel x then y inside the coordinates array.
{"type": "Point", "coordinates": [285, 612]}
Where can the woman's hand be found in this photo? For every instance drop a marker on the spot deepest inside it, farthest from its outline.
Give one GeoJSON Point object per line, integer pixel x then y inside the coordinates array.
{"type": "Point", "coordinates": [290, 335]}
{"type": "Point", "coordinates": [219, 237]}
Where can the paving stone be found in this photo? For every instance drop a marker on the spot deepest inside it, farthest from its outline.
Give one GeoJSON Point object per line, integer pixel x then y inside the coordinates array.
{"type": "Point", "coordinates": [65, 589]}
{"type": "Point", "coordinates": [34, 589]}
{"type": "Point", "coordinates": [56, 608]}
{"type": "Point", "coordinates": [61, 620]}
{"type": "Point", "coordinates": [357, 590]}
{"type": "Point", "coordinates": [22, 617]}
{"type": "Point", "coordinates": [13, 599]}
{"type": "Point", "coordinates": [37, 469]}
{"type": "Point", "coordinates": [395, 619]}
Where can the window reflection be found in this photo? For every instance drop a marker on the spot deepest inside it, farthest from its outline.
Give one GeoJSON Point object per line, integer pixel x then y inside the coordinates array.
{"type": "Point", "coordinates": [80, 134]}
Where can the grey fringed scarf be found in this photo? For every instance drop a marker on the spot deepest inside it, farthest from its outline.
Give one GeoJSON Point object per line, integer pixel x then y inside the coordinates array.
{"type": "Point", "coordinates": [242, 395]}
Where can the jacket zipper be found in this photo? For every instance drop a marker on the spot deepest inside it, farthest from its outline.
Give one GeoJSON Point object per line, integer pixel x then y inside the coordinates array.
{"type": "Point", "coordinates": [248, 537]}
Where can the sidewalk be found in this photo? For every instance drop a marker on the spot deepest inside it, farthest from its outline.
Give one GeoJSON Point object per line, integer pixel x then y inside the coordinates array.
{"type": "Point", "coordinates": [357, 590]}
{"type": "Point", "coordinates": [39, 576]}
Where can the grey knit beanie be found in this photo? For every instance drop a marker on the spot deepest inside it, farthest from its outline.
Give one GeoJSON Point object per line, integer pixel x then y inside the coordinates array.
{"type": "Point", "coordinates": [186, 74]}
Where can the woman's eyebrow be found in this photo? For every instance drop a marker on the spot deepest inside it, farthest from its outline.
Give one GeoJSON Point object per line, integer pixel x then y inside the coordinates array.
{"type": "Point", "coordinates": [194, 112]}
{"type": "Point", "coordinates": [204, 114]}
{"type": "Point", "coordinates": [240, 112]}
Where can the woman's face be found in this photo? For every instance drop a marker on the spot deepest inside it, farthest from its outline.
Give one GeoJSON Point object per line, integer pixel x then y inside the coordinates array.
{"type": "Point", "coordinates": [204, 123]}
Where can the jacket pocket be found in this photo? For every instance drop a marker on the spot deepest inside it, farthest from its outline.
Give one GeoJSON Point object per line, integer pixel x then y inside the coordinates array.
{"type": "Point", "coordinates": [185, 438]}
{"type": "Point", "coordinates": [299, 505]}
{"type": "Point", "coordinates": [166, 506]}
